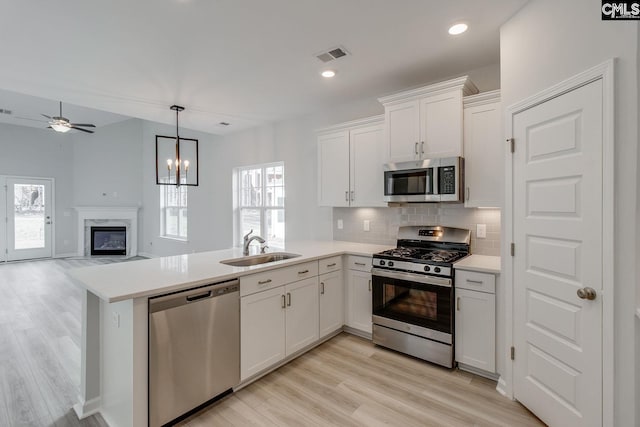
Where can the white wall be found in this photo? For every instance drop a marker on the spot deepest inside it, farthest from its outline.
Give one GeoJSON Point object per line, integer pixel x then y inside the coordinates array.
{"type": "Point", "coordinates": [33, 152]}
{"type": "Point", "coordinates": [107, 163]}
{"type": "Point", "coordinates": [544, 43]}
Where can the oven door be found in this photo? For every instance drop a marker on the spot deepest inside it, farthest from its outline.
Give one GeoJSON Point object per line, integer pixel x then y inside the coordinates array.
{"type": "Point", "coordinates": [413, 299]}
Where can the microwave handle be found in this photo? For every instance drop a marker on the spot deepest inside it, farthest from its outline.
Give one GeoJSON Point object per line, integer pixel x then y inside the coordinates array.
{"type": "Point", "coordinates": [436, 181]}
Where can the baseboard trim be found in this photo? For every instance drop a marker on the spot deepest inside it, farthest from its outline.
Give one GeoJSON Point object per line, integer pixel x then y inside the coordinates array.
{"type": "Point", "coordinates": [67, 255]}
{"type": "Point", "coordinates": [84, 409]}
{"type": "Point", "coordinates": [358, 332]}
{"type": "Point", "coordinates": [502, 387]}
{"type": "Point", "coordinates": [148, 255]}
{"type": "Point", "coordinates": [477, 371]}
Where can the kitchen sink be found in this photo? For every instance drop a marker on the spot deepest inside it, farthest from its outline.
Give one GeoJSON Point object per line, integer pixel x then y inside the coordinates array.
{"type": "Point", "coordinates": [259, 259]}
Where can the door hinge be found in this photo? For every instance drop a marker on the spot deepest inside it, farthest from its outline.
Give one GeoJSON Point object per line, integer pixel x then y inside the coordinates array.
{"type": "Point", "coordinates": [513, 353]}
{"type": "Point", "coordinates": [513, 249]}
{"type": "Point", "coordinates": [512, 144]}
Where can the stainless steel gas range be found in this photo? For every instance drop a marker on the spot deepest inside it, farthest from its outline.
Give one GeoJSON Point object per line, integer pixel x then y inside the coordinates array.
{"type": "Point", "coordinates": [413, 295]}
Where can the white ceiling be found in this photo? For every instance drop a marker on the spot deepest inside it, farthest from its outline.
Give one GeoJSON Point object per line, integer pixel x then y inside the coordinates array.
{"type": "Point", "coordinates": [246, 62]}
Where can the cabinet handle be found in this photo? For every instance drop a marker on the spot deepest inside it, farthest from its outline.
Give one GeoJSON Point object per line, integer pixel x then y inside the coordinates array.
{"type": "Point", "coordinates": [360, 263]}
{"type": "Point", "coordinates": [468, 192]}
{"type": "Point", "coordinates": [353, 195]}
{"type": "Point", "coordinates": [458, 304]}
{"type": "Point", "coordinates": [479, 282]}
{"type": "Point", "coordinates": [321, 288]}
{"type": "Point", "coordinates": [422, 149]}
{"type": "Point", "coordinates": [264, 282]}
{"type": "Point", "coordinates": [369, 285]}
{"type": "Point", "coordinates": [303, 272]}
{"type": "Point", "coordinates": [284, 303]}
{"type": "Point", "coordinates": [288, 299]}
{"type": "Point", "coordinates": [416, 148]}
{"type": "Point", "coordinates": [346, 196]}
{"type": "Point", "coordinates": [333, 264]}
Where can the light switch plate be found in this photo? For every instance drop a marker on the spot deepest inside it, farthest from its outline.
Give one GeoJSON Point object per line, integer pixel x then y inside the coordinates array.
{"type": "Point", "coordinates": [366, 225]}
{"type": "Point", "coordinates": [340, 224]}
{"type": "Point", "coordinates": [481, 231]}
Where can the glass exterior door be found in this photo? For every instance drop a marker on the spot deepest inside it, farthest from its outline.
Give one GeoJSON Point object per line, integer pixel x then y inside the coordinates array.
{"type": "Point", "coordinates": [29, 218]}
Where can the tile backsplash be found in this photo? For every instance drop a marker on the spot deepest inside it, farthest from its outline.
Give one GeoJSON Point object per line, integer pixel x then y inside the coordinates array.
{"type": "Point", "coordinates": [384, 223]}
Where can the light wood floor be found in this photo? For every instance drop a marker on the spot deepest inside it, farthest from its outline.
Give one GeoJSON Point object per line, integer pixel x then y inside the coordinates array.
{"type": "Point", "coordinates": [344, 382]}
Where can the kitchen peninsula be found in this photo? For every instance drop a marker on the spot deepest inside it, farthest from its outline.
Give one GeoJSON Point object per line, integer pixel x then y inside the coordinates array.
{"type": "Point", "coordinates": [114, 373]}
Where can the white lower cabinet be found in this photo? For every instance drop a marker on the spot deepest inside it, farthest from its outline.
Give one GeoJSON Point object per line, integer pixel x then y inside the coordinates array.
{"type": "Point", "coordinates": [475, 322]}
{"type": "Point", "coordinates": [302, 317]}
{"type": "Point", "coordinates": [331, 302]}
{"type": "Point", "coordinates": [359, 300]}
{"type": "Point", "coordinates": [262, 331]}
{"type": "Point", "coordinates": [276, 323]}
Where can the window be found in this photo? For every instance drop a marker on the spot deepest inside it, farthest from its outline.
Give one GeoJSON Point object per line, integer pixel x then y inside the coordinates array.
{"type": "Point", "coordinates": [173, 211]}
{"type": "Point", "coordinates": [261, 202]}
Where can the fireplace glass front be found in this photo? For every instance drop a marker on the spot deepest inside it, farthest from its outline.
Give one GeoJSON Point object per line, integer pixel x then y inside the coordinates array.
{"type": "Point", "coordinates": [108, 240]}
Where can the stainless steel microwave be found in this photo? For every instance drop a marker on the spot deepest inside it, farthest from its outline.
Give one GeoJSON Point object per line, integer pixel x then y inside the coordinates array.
{"type": "Point", "coordinates": [431, 180]}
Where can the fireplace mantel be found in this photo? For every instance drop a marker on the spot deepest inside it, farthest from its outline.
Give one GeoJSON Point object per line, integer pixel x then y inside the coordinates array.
{"type": "Point", "coordinates": [123, 213]}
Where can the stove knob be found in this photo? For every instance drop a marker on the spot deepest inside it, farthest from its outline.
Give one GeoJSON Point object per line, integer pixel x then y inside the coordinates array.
{"type": "Point", "coordinates": [390, 263]}
{"type": "Point", "coordinates": [437, 269]}
{"type": "Point", "coordinates": [382, 262]}
{"type": "Point", "coordinates": [427, 268]}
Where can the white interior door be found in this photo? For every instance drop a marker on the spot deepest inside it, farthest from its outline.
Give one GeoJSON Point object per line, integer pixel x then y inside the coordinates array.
{"type": "Point", "coordinates": [557, 229]}
{"type": "Point", "coordinates": [29, 218]}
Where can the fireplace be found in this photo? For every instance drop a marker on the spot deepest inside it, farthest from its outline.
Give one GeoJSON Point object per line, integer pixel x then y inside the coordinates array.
{"type": "Point", "coordinates": [108, 240]}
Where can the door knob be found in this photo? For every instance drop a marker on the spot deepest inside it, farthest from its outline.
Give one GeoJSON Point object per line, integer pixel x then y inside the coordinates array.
{"type": "Point", "coordinates": [587, 293]}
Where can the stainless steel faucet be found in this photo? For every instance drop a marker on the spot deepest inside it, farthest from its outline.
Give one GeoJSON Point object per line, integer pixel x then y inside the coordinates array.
{"type": "Point", "coordinates": [248, 240]}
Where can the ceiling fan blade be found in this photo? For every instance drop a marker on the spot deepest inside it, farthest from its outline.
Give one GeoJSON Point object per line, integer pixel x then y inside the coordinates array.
{"type": "Point", "coordinates": [48, 117]}
{"type": "Point", "coordinates": [83, 130]}
{"type": "Point", "coordinates": [83, 125]}
{"type": "Point", "coordinates": [27, 118]}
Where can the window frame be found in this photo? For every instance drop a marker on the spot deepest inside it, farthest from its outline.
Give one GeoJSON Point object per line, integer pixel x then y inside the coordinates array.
{"type": "Point", "coordinates": [183, 211]}
{"type": "Point", "coordinates": [263, 208]}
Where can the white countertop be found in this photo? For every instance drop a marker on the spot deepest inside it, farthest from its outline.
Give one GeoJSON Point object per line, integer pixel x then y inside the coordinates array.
{"type": "Point", "coordinates": [481, 263]}
{"type": "Point", "coordinates": [144, 278]}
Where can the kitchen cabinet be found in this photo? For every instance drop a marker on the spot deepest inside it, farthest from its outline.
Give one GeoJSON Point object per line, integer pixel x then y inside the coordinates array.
{"type": "Point", "coordinates": [483, 149]}
{"type": "Point", "coordinates": [475, 322]}
{"type": "Point", "coordinates": [350, 164]}
{"type": "Point", "coordinates": [359, 299]}
{"type": "Point", "coordinates": [426, 122]}
{"type": "Point", "coordinates": [331, 295]}
{"type": "Point", "coordinates": [301, 314]}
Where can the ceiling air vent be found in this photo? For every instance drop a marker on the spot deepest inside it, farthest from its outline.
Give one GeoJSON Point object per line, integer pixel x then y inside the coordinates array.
{"type": "Point", "coordinates": [5, 111]}
{"type": "Point", "coordinates": [332, 54]}
{"type": "Point", "coordinates": [224, 123]}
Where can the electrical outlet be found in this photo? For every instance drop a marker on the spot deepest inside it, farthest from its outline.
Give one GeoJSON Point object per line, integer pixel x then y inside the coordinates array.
{"type": "Point", "coordinates": [115, 319]}
{"type": "Point", "coordinates": [481, 231]}
{"type": "Point", "coordinates": [366, 225]}
{"type": "Point", "coordinates": [340, 224]}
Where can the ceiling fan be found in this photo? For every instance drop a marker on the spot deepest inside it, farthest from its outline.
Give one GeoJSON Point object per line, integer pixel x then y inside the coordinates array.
{"type": "Point", "coordinates": [62, 124]}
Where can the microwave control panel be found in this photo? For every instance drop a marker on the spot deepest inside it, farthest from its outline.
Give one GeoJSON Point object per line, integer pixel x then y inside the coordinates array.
{"type": "Point", "coordinates": [447, 175]}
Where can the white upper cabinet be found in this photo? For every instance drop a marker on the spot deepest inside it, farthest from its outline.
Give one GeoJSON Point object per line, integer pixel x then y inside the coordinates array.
{"type": "Point", "coordinates": [483, 149]}
{"type": "Point", "coordinates": [426, 122]}
{"type": "Point", "coordinates": [350, 164]}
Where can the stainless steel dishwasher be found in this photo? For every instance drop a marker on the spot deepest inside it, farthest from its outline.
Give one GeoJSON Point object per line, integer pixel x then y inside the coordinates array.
{"type": "Point", "coordinates": [194, 349]}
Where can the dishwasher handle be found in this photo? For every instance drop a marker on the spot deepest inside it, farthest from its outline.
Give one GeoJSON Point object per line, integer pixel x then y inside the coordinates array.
{"type": "Point", "coordinates": [191, 296]}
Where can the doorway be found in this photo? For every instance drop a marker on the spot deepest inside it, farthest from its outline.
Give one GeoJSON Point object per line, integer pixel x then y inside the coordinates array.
{"type": "Point", "coordinates": [560, 222]}
{"type": "Point", "coordinates": [28, 208]}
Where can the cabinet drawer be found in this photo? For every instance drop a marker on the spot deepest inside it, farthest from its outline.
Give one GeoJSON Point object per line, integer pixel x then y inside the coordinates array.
{"type": "Point", "coordinates": [360, 263]}
{"type": "Point", "coordinates": [482, 282]}
{"type": "Point", "coordinates": [327, 265]}
{"type": "Point", "coordinates": [269, 279]}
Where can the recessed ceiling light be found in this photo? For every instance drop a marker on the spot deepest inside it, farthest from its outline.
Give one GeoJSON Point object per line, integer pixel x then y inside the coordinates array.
{"type": "Point", "coordinates": [328, 73]}
{"type": "Point", "coordinates": [456, 29]}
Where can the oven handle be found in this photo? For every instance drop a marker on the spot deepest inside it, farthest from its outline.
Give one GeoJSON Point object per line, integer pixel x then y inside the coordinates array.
{"type": "Point", "coordinates": [410, 277]}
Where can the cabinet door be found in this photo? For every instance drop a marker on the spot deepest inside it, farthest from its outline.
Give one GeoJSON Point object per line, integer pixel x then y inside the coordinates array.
{"type": "Point", "coordinates": [402, 130]}
{"type": "Point", "coordinates": [476, 329]}
{"type": "Point", "coordinates": [333, 169]}
{"type": "Point", "coordinates": [441, 125]}
{"type": "Point", "coordinates": [262, 331]}
{"type": "Point", "coordinates": [331, 302]}
{"type": "Point", "coordinates": [359, 301]}
{"type": "Point", "coordinates": [366, 177]}
{"type": "Point", "coordinates": [302, 319]}
{"type": "Point", "coordinates": [483, 149]}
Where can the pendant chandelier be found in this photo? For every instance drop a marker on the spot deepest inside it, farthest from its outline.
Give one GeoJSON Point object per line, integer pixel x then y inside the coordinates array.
{"type": "Point", "coordinates": [176, 158]}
